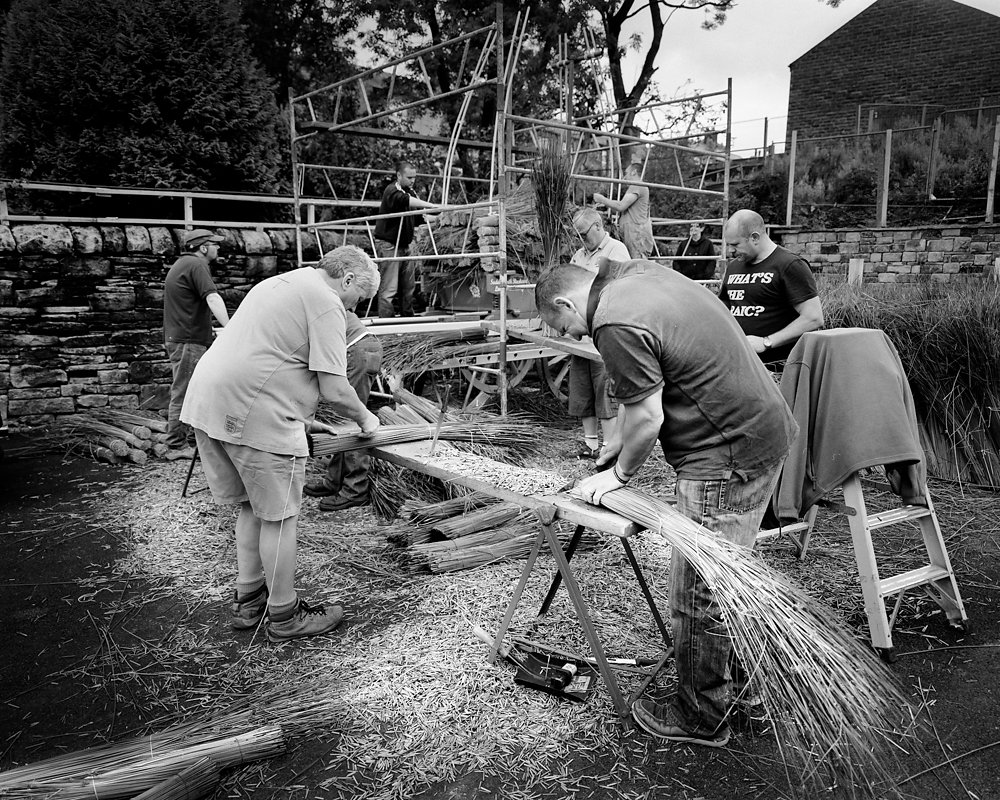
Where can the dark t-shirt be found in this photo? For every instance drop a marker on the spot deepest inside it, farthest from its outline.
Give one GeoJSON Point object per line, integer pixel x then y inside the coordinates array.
{"type": "Point", "coordinates": [186, 316]}
{"type": "Point", "coordinates": [394, 201]}
{"type": "Point", "coordinates": [696, 270]}
{"type": "Point", "coordinates": [763, 296]}
{"type": "Point", "coordinates": [722, 411]}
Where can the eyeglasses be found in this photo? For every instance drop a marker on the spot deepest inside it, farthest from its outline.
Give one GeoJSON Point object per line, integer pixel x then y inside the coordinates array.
{"type": "Point", "coordinates": [583, 234]}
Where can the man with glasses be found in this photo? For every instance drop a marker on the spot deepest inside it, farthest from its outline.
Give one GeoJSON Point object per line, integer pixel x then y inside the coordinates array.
{"type": "Point", "coordinates": [190, 299]}
{"type": "Point", "coordinates": [588, 392]}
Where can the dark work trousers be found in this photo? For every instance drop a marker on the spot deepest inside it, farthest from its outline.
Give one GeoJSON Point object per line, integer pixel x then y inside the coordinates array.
{"type": "Point", "coordinates": [347, 473]}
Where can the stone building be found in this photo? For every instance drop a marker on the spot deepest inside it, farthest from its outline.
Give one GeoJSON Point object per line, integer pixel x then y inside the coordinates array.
{"type": "Point", "coordinates": [896, 59]}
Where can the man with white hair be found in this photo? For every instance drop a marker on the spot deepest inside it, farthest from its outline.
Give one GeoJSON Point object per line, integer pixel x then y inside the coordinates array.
{"type": "Point", "coordinates": [250, 400]}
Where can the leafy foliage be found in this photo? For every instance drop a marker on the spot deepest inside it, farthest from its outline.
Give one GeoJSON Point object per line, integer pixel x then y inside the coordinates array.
{"type": "Point", "coordinates": [156, 93]}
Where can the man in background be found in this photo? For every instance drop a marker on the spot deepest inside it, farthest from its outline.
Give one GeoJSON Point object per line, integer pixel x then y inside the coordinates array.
{"type": "Point", "coordinates": [771, 292]}
{"type": "Point", "coordinates": [588, 391]}
{"type": "Point", "coordinates": [190, 300]}
{"type": "Point", "coordinates": [634, 224]}
{"type": "Point", "coordinates": [393, 236]}
{"type": "Point", "coordinates": [346, 483]}
{"type": "Point", "coordinates": [251, 399]}
{"type": "Point", "coordinates": [697, 244]}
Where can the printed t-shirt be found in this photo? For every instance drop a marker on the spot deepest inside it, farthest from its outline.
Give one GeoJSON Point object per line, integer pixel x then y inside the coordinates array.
{"type": "Point", "coordinates": [186, 316]}
{"type": "Point", "coordinates": [723, 413]}
{"type": "Point", "coordinates": [257, 384]}
{"type": "Point", "coordinates": [762, 296]}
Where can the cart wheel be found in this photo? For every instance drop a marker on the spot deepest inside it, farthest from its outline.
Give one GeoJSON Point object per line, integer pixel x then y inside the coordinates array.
{"type": "Point", "coordinates": [484, 384]}
{"type": "Point", "coordinates": [554, 372]}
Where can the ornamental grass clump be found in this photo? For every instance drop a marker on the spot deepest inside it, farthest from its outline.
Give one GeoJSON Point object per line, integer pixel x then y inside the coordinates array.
{"type": "Point", "coordinates": [948, 339]}
{"type": "Point", "coordinates": [841, 719]}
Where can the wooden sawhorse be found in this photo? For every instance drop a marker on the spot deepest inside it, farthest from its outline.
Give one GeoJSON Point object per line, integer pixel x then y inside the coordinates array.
{"type": "Point", "coordinates": [549, 509]}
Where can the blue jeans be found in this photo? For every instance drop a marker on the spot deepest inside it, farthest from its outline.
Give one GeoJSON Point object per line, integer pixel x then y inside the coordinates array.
{"type": "Point", "coordinates": [733, 509]}
{"type": "Point", "coordinates": [347, 473]}
{"type": "Point", "coordinates": [183, 356]}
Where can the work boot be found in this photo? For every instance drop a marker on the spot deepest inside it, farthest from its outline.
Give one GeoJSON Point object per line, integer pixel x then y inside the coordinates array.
{"type": "Point", "coordinates": [318, 489]}
{"type": "Point", "coordinates": [248, 612]}
{"type": "Point", "coordinates": [339, 503]}
{"type": "Point", "coordinates": [661, 720]}
{"type": "Point", "coordinates": [302, 621]}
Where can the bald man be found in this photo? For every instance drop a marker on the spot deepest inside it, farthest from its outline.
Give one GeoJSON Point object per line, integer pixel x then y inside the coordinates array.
{"type": "Point", "coordinates": [771, 292]}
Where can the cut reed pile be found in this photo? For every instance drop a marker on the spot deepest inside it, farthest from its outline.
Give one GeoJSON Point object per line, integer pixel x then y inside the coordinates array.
{"type": "Point", "coordinates": [948, 338]}
{"type": "Point", "coordinates": [839, 715]}
{"type": "Point", "coordinates": [419, 518]}
{"type": "Point", "coordinates": [499, 434]}
{"type": "Point", "coordinates": [417, 352]}
{"type": "Point", "coordinates": [107, 435]}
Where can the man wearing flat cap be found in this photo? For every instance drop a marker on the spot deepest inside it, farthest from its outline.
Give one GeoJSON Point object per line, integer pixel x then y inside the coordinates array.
{"type": "Point", "coordinates": [190, 299]}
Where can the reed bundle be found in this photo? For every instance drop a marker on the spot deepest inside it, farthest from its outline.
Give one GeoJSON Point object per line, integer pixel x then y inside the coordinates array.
{"type": "Point", "coordinates": [127, 768]}
{"type": "Point", "coordinates": [418, 352]}
{"type": "Point", "coordinates": [550, 174]}
{"type": "Point", "coordinates": [424, 513]}
{"type": "Point", "coordinates": [85, 422]}
{"type": "Point", "coordinates": [496, 433]}
{"type": "Point", "coordinates": [194, 781]}
{"type": "Point", "coordinates": [484, 519]}
{"type": "Point", "coordinates": [837, 712]}
{"type": "Point", "coordinates": [123, 419]}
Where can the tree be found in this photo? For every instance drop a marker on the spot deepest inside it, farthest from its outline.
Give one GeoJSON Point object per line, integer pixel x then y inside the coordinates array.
{"type": "Point", "coordinates": [614, 15]}
{"type": "Point", "coordinates": [155, 93]}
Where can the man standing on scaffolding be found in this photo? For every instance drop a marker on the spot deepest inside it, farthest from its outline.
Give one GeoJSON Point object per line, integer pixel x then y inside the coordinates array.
{"type": "Point", "coordinates": [393, 236]}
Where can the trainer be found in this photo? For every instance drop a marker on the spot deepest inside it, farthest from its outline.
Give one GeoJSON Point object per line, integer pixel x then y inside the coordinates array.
{"type": "Point", "coordinates": [684, 374]}
{"type": "Point", "coordinates": [250, 401]}
{"type": "Point", "coordinates": [190, 299]}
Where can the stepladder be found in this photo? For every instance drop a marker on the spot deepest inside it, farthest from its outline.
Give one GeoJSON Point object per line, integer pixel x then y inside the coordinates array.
{"type": "Point", "coordinates": [936, 578]}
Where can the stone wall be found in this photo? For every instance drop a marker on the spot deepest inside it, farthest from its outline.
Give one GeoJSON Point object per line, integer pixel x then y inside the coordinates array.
{"type": "Point", "coordinates": [81, 311]}
{"type": "Point", "coordinates": [899, 255]}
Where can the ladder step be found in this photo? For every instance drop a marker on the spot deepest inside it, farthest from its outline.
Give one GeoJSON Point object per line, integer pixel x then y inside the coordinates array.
{"type": "Point", "coordinates": [915, 577]}
{"type": "Point", "coordinates": [896, 515]}
{"type": "Point", "coordinates": [793, 527]}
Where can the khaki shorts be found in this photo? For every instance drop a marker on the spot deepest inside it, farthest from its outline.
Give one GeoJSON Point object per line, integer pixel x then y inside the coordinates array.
{"type": "Point", "coordinates": [237, 474]}
{"type": "Point", "coordinates": [588, 389]}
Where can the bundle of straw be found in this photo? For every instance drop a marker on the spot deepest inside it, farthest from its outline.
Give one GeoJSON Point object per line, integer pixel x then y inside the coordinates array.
{"type": "Point", "coordinates": [195, 781]}
{"type": "Point", "coordinates": [476, 549]}
{"type": "Point", "coordinates": [551, 177]}
{"type": "Point", "coordinates": [836, 710]}
{"type": "Point", "coordinates": [434, 512]}
{"type": "Point", "coordinates": [492, 517]}
{"type": "Point", "coordinates": [128, 768]}
{"type": "Point", "coordinates": [125, 419]}
{"type": "Point", "coordinates": [496, 433]}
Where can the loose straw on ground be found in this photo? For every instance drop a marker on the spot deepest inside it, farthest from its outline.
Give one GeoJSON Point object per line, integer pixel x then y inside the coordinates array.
{"type": "Point", "coordinates": [837, 712]}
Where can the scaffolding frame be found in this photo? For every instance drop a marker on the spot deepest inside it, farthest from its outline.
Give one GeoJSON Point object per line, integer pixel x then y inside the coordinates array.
{"type": "Point", "coordinates": [580, 135]}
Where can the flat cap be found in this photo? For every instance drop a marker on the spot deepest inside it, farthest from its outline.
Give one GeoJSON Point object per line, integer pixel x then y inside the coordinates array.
{"type": "Point", "coordinates": [200, 236]}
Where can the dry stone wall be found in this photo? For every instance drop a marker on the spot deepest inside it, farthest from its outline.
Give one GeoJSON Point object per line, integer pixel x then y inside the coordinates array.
{"type": "Point", "coordinates": [81, 311]}
{"type": "Point", "coordinates": [899, 255]}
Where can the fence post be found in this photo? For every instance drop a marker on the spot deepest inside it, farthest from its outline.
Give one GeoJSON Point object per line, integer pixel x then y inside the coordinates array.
{"type": "Point", "coordinates": [188, 212]}
{"type": "Point", "coordinates": [883, 199]}
{"type": "Point", "coordinates": [4, 210]}
{"type": "Point", "coordinates": [932, 165]}
{"type": "Point", "coordinates": [791, 178]}
{"type": "Point", "coordinates": [992, 185]}
{"type": "Point", "coordinates": [855, 271]}
{"type": "Point", "coordinates": [764, 151]}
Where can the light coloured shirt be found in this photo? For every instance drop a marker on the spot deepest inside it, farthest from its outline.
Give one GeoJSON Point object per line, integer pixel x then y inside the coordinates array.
{"type": "Point", "coordinates": [609, 248]}
{"type": "Point", "coordinates": [258, 384]}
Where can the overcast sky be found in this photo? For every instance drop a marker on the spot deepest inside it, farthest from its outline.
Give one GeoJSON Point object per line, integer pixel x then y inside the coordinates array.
{"type": "Point", "coordinates": [755, 46]}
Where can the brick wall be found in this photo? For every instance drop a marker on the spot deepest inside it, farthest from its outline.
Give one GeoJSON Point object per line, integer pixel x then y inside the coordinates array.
{"type": "Point", "coordinates": [899, 255]}
{"type": "Point", "coordinates": [81, 311]}
{"type": "Point", "coordinates": [938, 52]}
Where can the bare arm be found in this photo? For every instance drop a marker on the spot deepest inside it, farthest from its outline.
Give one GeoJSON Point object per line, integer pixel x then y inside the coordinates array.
{"type": "Point", "coordinates": [218, 308]}
{"type": "Point", "coordinates": [810, 318]}
{"type": "Point", "coordinates": [635, 436]}
{"type": "Point", "coordinates": [416, 202]}
{"type": "Point", "coordinates": [344, 399]}
{"type": "Point", "coordinates": [620, 206]}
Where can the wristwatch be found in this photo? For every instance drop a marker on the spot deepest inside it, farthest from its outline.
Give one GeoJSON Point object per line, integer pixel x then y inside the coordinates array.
{"type": "Point", "coordinates": [767, 342]}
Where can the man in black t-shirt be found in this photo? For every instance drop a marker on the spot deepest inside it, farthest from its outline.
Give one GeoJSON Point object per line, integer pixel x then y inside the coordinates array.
{"type": "Point", "coordinates": [770, 291]}
{"type": "Point", "coordinates": [393, 236]}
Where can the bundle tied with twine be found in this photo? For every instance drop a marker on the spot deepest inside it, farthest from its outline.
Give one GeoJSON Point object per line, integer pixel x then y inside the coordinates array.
{"type": "Point", "coordinates": [128, 768]}
{"type": "Point", "coordinates": [839, 715]}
